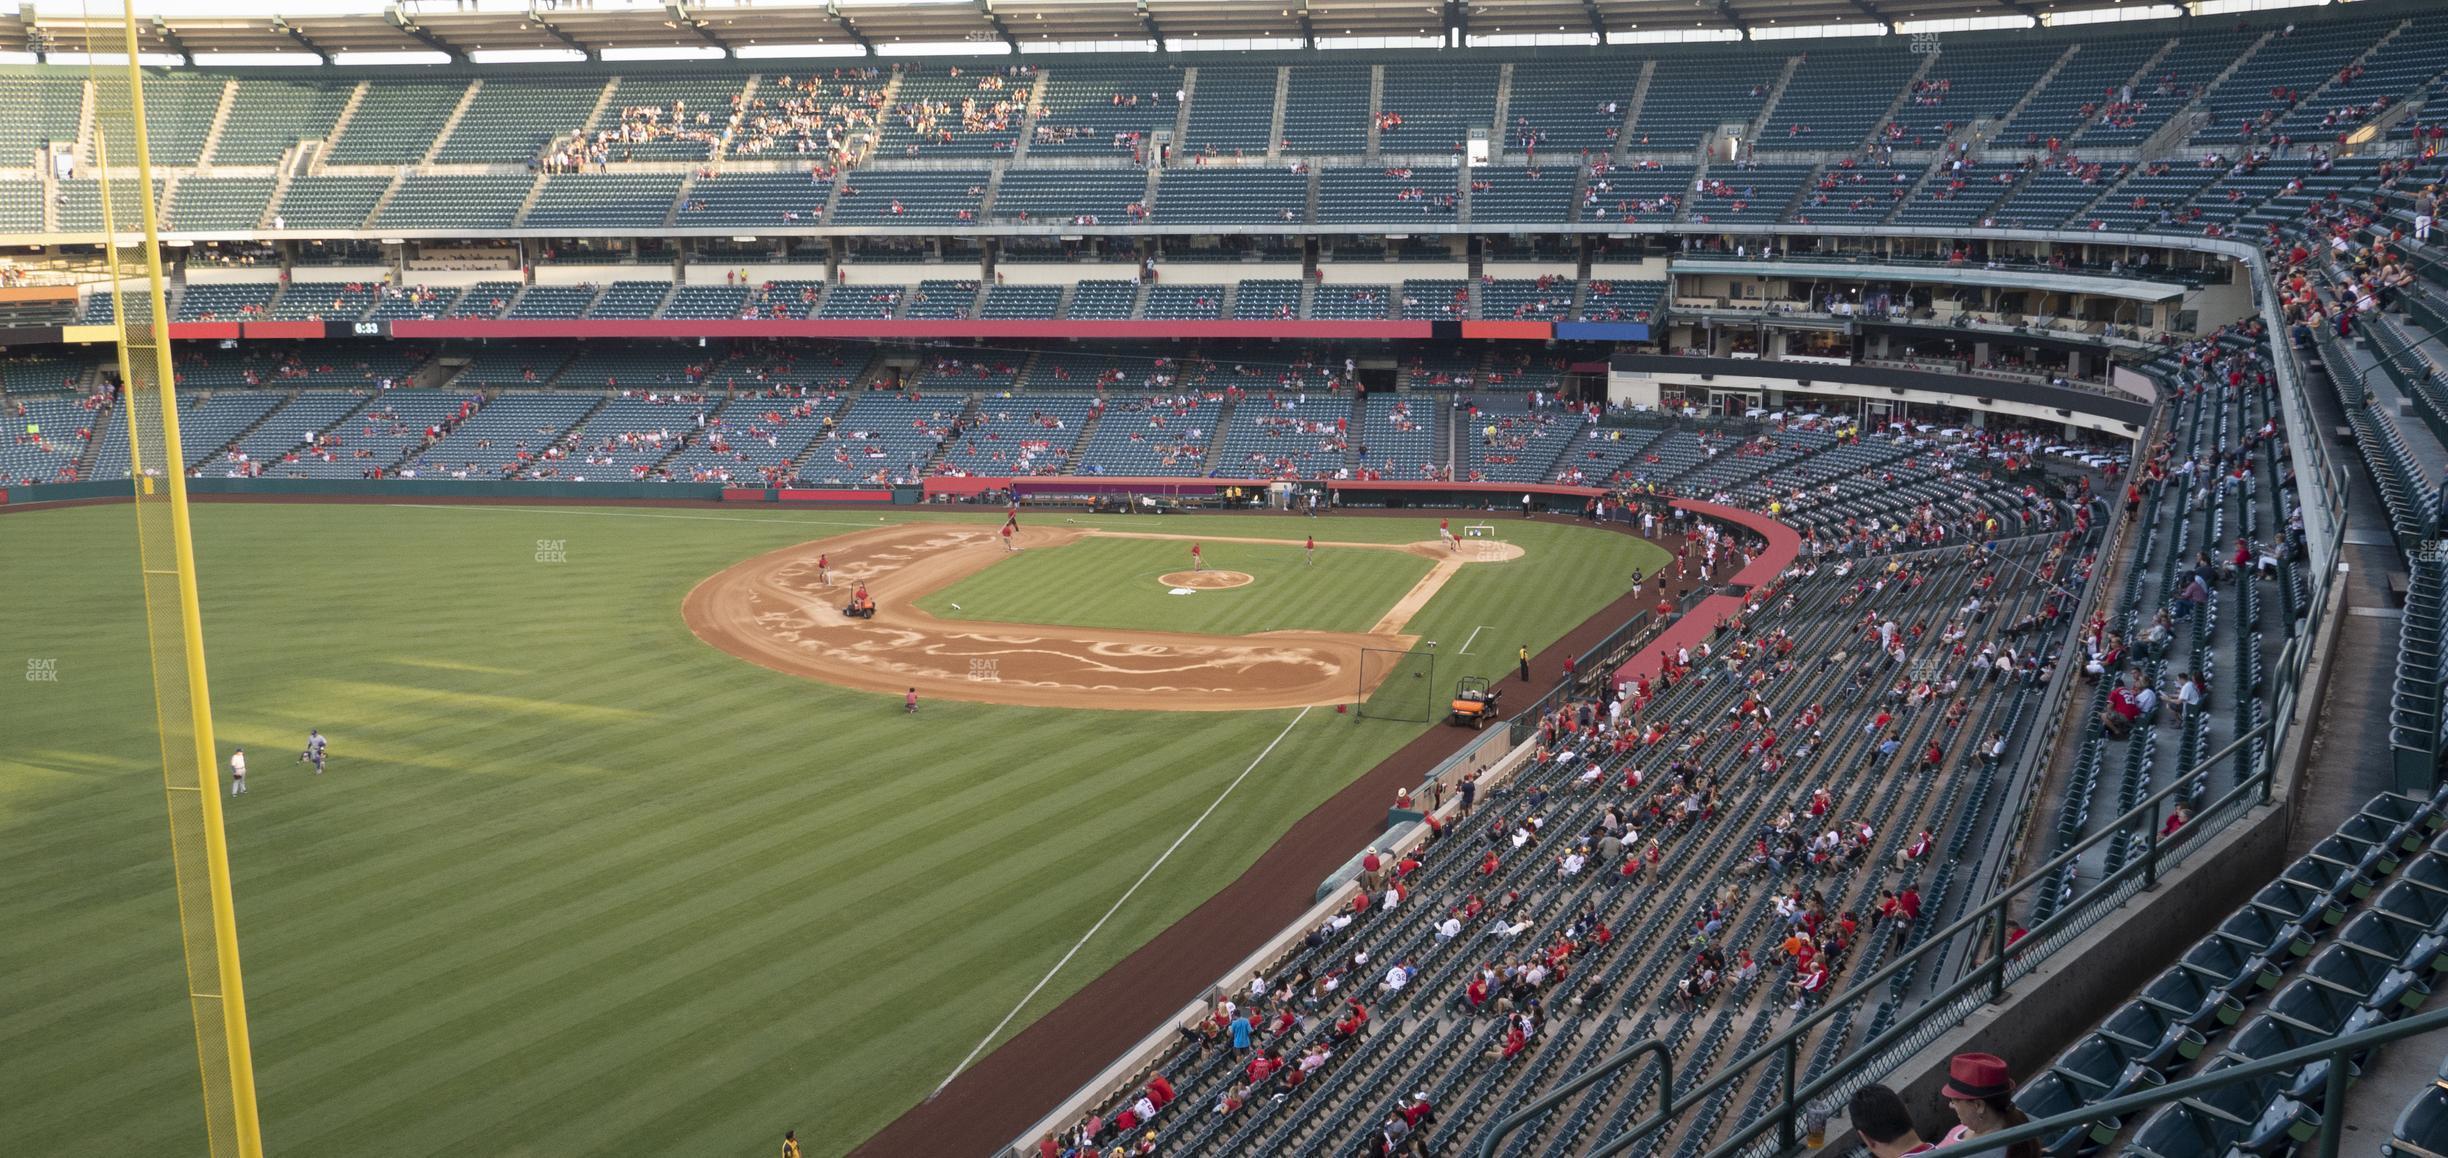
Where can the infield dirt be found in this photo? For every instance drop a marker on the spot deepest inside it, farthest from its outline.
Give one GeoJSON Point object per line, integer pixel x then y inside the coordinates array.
{"type": "Point", "coordinates": [771, 611]}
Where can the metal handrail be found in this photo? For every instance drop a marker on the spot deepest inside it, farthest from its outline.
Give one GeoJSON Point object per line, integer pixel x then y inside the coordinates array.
{"type": "Point", "coordinates": [1504, 1127]}
{"type": "Point", "coordinates": [2333, 1092]}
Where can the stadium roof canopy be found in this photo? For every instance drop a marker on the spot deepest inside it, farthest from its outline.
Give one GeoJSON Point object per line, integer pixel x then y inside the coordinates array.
{"type": "Point", "coordinates": [360, 31]}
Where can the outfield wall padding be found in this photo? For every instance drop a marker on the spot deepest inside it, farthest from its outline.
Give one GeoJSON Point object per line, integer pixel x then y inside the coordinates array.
{"type": "Point", "coordinates": [490, 490]}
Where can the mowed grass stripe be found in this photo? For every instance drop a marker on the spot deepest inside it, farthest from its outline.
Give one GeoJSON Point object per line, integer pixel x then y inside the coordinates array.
{"type": "Point", "coordinates": [1001, 880]}
{"type": "Point", "coordinates": [763, 914]}
{"type": "Point", "coordinates": [533, 877]}
{"type": "Point", "coordinates": [652, 880]}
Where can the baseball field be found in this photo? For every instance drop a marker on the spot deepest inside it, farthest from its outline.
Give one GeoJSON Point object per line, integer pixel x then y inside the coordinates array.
{"type": "Point", "coordinates": [624, 846]}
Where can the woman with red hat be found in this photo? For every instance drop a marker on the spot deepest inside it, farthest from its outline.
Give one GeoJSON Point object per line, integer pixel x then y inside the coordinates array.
{"type": "Point", "coordinates": [1981, 1093]}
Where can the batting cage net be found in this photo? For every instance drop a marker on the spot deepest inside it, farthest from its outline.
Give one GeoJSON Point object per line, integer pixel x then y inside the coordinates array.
{"type": "Point", "coordinates": [1399, 685]}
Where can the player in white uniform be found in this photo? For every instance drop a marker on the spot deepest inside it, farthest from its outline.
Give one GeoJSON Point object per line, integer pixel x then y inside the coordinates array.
{"type": "Point", "coordinates": [314, 750]}
{"type": "Point", "coordinates": [238, 772]}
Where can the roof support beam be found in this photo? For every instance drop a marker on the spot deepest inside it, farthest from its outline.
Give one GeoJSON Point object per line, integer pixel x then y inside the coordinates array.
{"type": "Point", "coordinates": [833, 9]}
{"type": "Point", "coordinates": [995, 22]}
{"type": "Point", "coordinates": [1875, 14]}
{"type": "Point", "coordinates": [1597, 22]}
{"type": "Point", "coordinates": [170, 39]}
{"type": "Point", "coordinates": [421, 34]}
{"type": "Point", "coordinates": [1308, 33]}
{"type": "Point", "coordinates": [289, 30]}
{"type": "Point", "coordinates": [686, 21]}
{"type": "Point", "coordinates": [1457, 22]}
{"type": "Point", "coordinates": [550, 29]}
{"type": "Point", "coordinates": [1147, 24]}
{"type": "Point", "coordinates": [1726, 13]}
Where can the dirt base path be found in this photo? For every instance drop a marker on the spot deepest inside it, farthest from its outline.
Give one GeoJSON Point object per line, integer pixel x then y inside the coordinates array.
{"type": "Point", "coordinates": [772, 611]}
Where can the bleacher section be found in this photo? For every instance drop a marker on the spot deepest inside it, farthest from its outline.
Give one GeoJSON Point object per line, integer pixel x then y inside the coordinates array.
{"type": "Point", "coordinates": [2078, 94]}
{"type": "Point", "coordinates": [1105, 112]}
{"type": "Point", "coordinates": [329, 202]}
{"type": "Point", "coordinates": [1838, 95]}
{"type": "Point", "coordinates": [1349, 195]}
{"type": "Point", "coordinates": [630, 299]}
{"type": "Point", "coordinates": [1505, 194]}
{"type": "Point", "coordinates": [1326, 110]}
{"type": "Point", "coordinates": [1970, 85]}
{"type": "Point", "coordinates": [1264, 298]}
{"type": "Point", "coordinates": [881, 439]}
{"type": "Point", "coordinates": [1400, 438]}
{"type": "Point", "coordinates": [436, 201]}
{"type": "Point", "coordinates": [935, 115]}
{"type": "Point", "coordinates": [1339, 302]}
{"type": "Point", "coordinates": [1235, 196]}
{"type": "Point", "coordinates": [1431, 108]}
{"type": "Point", "coordinates": [1021, 301]}
{"type": "Point", "coordinates": [1274, 435]}
{"type": "Point", "coordinates": [604, 200]}
{"type": "Point", "coordinates": [748, 200]}
{"type": "Point", "coordinates": [511, 119]}
{"type": "Point", "coordinates": [46, 437]}
{"type": "Point", "coordinates": [219, 204]}
{"type": "Point", "coordinates": [909, 197]}
{"type": "Point", "coordinates": [268, 116]}
{"type": "Point", "coordinates": [1024, 434]}
{"type": "Point", "coordinates": [510, 432]}
{"type": "Point", "coordinates": [2283, 71]}
{"type": "Point", "coordinates": [1088, 196]}
{"type": "Point", "coordinates": [2198, 57]}
{"type": "Point", "coordinates": [397, 122]}
{"type": "Point", "coordinates": [1149, 435]}
{"type": "Point", "coordinates": [669, 118]}
{"type": "Point", "coordinates": [1230, 112]}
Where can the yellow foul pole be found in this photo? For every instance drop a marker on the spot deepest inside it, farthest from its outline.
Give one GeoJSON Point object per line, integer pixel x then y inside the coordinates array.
{"type": "Point", "coordinates": [183, 700]}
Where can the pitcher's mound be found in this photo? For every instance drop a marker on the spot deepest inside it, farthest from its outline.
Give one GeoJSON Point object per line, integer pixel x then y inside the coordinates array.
{"type": "Point", "coordinates": [1205, 580]}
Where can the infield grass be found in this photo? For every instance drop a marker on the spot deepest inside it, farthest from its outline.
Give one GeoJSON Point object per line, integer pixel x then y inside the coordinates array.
{"type": "Point", "coordinates": [577, 883]}
{"type": "Point", "coordinates": [1101, 582]}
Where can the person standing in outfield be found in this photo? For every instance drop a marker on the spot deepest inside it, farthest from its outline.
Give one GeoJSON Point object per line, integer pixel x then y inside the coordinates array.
{"type": "Point", "coordinates": [1525, 663]}
{"type": "Point", "coordinates": [1525, 506]}
{"type": "Point", "coordinates": [1197, 561]}
{"type": "Point", "coordinates": [790, 1144]}
{"type": "Point", "coordinates": [909, 703]}
{"type": "Point", "coordinates": [1309, 556]}
{"type": "Point", "coordinates": [314, 750]}
{"type": "Point", "coordinates": [824, 570]}
{"type": "Point", "coordinates": [238, 772]}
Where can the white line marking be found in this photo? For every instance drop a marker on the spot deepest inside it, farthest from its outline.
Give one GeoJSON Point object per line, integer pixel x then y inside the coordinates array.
{"type": "Point", "coordinates": [1473, 635]}
{"type": "Point", "coordinates": [1117, 905]}
{"type": "Point", "coordinates": [773, 522]}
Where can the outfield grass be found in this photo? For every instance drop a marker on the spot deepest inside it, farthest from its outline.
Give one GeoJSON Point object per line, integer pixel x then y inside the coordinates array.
{"type": "Point", "coordinates": [577, 883]}
{"type": "Point", "coordinates": [1098, 582]}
